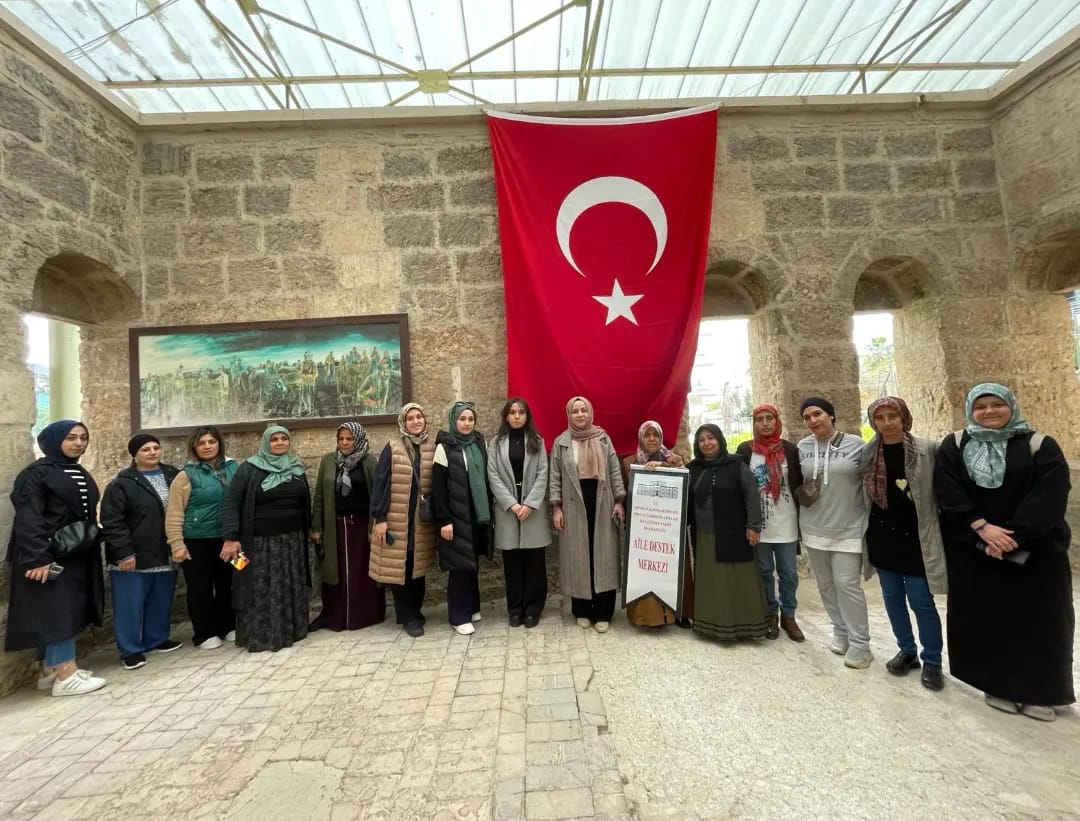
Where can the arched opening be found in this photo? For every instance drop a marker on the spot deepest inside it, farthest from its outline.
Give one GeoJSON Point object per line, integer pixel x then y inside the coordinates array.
{"type": "Point", "coordinates": [896, 335]}
{"type": "Point", "coordinates": [53, 359]}
{"type": "Point", "coordinates": [728, 370]}
{"type": "Point", "coordinates": [84, 309]}
{"type": "Point", "coordinates": [1043, 324]}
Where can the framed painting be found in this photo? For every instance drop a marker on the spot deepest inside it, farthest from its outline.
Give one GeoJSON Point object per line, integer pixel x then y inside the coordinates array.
{"type": "Point", "coordinates": [241, 376]}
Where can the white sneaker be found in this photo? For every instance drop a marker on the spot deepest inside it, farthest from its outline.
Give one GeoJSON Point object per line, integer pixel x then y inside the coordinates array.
{"type": "Point", "coordinates": [230, 636]}
{"type": "Point", "coordinates": [465, 629]}
{"type": "Point", "coordinates": [858, 659]}
{"type": "Point", "coordinates": [584, 623]}
{"type": "Point", "coordinates": [839, 644]}
{"type": "Point", "coordinates": [602, 626]}
{"type": "Point", "coordinates": [476, 616]}
{"type": "Point", "coordinates": [212, 643]}
{"type": "Point", "coordinates": [77, 683]}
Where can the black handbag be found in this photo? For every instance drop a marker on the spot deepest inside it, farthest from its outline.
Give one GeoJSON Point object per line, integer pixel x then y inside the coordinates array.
{"type": "Point", "coordinates": [75, 538]}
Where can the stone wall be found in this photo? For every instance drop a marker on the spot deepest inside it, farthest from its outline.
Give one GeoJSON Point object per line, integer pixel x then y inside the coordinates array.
{"type": "Point", "coordinates": [937, 213]}
{"type": "Point", "coordinates": [68, 208]}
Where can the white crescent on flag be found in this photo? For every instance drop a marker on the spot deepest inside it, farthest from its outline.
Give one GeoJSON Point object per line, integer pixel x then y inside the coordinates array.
{"type": "Point", "coordinates": [610, 189]}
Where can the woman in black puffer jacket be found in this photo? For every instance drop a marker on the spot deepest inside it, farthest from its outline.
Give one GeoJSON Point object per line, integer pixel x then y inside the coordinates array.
{"type": "Point", "coordinates": [462, 511]}
{"type": "Point", "coordinates": [137, 553]}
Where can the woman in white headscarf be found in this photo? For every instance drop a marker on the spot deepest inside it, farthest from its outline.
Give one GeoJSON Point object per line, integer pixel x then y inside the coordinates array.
{"type": "Point", "coordinates": [1003, 490]}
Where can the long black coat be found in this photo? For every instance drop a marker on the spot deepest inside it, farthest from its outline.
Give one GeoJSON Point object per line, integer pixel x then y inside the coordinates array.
{"type": "Point", "coordinates": [452, 504]}
{"type": "Point", "coordinates": [45, 499]}
{"type": "Point", "coordinates": [1010, 626]}
{"type": "Point", "coordinates": [133, 520]}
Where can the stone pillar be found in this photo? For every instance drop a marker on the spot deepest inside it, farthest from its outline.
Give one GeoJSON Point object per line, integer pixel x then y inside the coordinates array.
{"type": "Point", "coordinates": [921, 370]}
{"type": "Point", "coordinates": [104, 361]}
{"type": "Point", "coordinates": [65, 385]}
{"type": "Point", "coordinates": [823, 361]}
{"type": "Point", "coordinates": [770, 358]}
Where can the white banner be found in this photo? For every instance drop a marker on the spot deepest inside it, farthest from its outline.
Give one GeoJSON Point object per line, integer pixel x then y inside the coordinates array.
{"type": "Point", "coordinates": [656, 530]}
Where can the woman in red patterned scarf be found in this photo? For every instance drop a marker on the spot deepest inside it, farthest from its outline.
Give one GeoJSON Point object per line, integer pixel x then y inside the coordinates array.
{"type": "Point", "coordinates": [775, 464]}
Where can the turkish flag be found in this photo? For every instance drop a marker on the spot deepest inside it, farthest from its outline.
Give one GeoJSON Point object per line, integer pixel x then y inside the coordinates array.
{"type": "Point", "coordinates": [604, 228]}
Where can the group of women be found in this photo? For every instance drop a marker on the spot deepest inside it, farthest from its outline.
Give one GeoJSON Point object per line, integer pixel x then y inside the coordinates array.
{"type": "Point", "coordinates": [986, 509]}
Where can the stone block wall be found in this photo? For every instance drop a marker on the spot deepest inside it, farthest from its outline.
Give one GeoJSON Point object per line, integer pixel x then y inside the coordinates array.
{"type": "Point", "coordinates": [937, 213]}
{"type": "Point", "coordinates": [69, 208]}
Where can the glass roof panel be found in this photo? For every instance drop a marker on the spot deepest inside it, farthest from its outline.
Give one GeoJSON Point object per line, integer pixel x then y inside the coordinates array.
{"type": "Point", "coordinates": [185, 55]}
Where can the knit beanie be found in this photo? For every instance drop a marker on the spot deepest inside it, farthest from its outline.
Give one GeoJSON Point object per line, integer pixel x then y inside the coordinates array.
{"type": "Point", "coordinates": [138, 440]}
{"type": "Point", "coordinates": [818, 402]}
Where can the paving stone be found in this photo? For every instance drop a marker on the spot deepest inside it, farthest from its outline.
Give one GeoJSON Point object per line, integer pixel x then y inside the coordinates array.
{"type": "Point", "coordinates": [558, 804]}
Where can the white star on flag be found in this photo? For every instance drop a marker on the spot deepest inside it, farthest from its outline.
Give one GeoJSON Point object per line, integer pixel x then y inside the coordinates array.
{"type": "Point", "coordinates": [619, 304]}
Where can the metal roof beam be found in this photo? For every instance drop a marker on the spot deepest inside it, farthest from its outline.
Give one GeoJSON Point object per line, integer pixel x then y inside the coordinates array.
{"type": "Point", "coordinates": [588, 55]}
{"type": "Point", "coordinates": [276, 70]}
{"type": "Point", "coordinates": [560, 74]}
{"type": "Point", "coordinates": [861, 79]}
{"type": "Point", "coordinates": [948, 16]}
{"type": "Point", "coordinates": [230, 40]}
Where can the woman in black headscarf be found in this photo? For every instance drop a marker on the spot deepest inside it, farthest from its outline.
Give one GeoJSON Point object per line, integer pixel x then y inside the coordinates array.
{"type": "Point", "coordinates": [725, 525]}
{"type": "Point", "coordinates": [340, 519]}
{"type": "Point", "coordinates": [46, 610]}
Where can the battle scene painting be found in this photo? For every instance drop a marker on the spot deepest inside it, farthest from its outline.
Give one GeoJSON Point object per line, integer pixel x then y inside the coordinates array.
{"type": "Point", "coordinates": [240, 376]}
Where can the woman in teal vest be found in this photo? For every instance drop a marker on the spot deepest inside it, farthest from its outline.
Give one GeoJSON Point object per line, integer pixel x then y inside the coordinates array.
{"type": "Point", "coordinates": [193, 528]}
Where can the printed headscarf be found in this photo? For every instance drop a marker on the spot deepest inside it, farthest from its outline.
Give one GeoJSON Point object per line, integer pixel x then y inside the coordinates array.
{"type": "Point", "coordinates": [771, 449]}
{"type": "Point", "coordinates": [876, 478]}
{"type": "Point", "coordinates": [280, 468]}
{"type": "Point", "coordinates": [590, 457]}
{"type": "Point", "coordinates": [415, 438]}
{"type": "Point", "coordinates": [346, 463]}
{"type": "Point", "coordinates": [474, 458]}
{"type": "Point", "coordinates": [660, 455]}
{"type": "Point", "coordinates": [52, 437]}
{"type": "Point", "coordinates": [984, 453]}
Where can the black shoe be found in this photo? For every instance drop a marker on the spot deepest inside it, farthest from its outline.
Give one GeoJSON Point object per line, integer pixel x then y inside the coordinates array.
{"type": "Point", "coordinates": [531, 621]}
{"type": "Point", "coordinates": [315, 624]}
{"type": "Point", "coordinates": [414, 629]}
{"type": "Point", "coordinates": [685, 624]}
{"type": "Point", "coordinates": [134, 661]}
{"type": "Point", "coordinates": [899, 664]}
{"type": "Point", "coordinates": [932, 677]}
{"type": "Point", "coordinates": [515, 620]}
{"type": "Point", "coordinates": [166, 646]}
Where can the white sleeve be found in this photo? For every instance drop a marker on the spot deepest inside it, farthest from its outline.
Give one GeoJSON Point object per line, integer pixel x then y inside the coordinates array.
{"type": "Point", "coordinates": [440, 456]}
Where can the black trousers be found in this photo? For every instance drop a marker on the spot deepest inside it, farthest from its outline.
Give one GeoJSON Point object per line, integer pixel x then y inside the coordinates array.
{"type": "Point", "coordinates": [409, 597]}
{"type": "Point", "coordinates": [209, 589]}
{"type": "Point", "coordinates": [601, 607]}
{"type": "Point", "coordinates": [462, 595]}
{"type": "Point", "coordinates": [525, 572]}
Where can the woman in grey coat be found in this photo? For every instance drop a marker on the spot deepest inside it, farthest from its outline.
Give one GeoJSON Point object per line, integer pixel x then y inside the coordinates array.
{"type": "Point", "coordinates": [587, 494]}
{"type": "Point", "coordinates": [518, 475]}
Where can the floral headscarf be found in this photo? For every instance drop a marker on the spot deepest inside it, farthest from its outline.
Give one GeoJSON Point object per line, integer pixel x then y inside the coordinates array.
{"type": "Point", "coordinates": [984, 453]}
{"type": "Point", "coordinates": [660, 455]}
{"type": "Point", "coordinates": [876, 479]}
{"type": "Point", "coordinates": [346, 463]}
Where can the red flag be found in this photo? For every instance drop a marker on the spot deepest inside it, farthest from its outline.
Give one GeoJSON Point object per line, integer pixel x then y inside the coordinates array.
{"type": "Point", "coordinates": [604, 227]}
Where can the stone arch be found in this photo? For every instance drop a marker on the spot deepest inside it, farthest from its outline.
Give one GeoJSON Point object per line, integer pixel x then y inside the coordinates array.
{"type": "Point", "coordinates": [903, 278]}
{"type": "Point", "coordinates": [1040, 360]}
{"type": "Point", "coordinates": [743, 281]}
{"type": "Point", "coordinates": [79, 289]}
{"type": "Point", "coordinates": [84, 291]}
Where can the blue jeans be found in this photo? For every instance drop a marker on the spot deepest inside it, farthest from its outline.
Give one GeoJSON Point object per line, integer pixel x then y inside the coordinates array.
{"type": "Point", "coordinates": [59, 652]}
{"type": "Point", "coordinates": [780, 558]}
{"type": "Point", "coordinates": [142, 609]}
{"type": "Point", "coordinates": [898, 591]}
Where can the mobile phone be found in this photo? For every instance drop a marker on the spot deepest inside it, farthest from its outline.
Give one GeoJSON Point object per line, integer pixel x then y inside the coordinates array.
{"type": "Point", "coordinates": [390, 537]}
{"type": "Point", "coordinates": [240, 561]}
{"type": "Point", "coordinates": [54, 571]}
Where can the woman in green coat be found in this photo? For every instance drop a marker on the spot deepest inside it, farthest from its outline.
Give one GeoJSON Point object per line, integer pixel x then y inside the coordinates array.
{"type": "Point", "coordinates": [340, 529]}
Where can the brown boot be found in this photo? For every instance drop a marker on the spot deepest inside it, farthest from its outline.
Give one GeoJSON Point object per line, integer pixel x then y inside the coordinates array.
{"type": "Point", "coordinates": [792, 628]}
{"type": "Point", "coordinates": [773, 632]}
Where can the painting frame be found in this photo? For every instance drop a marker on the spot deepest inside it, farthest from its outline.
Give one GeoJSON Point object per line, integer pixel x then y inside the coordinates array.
{"type": "Point", "coordinates": [283, 386]}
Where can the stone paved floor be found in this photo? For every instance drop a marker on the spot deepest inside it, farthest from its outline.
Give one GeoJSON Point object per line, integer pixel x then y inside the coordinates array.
{"type": "Point", "coordinates": [515, 724]}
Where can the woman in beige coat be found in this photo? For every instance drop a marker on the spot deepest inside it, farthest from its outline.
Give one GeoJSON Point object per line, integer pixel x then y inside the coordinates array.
{"type": "Point", "coordinates": [403, 537]}
{"type": "Point", "coordinates": [586, 494]}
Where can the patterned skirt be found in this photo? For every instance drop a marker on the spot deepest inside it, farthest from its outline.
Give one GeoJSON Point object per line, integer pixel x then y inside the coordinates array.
{"type": "Point", "coordinates": [277, 613]}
